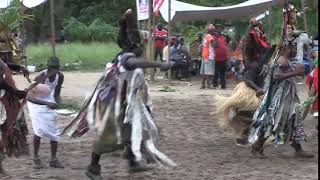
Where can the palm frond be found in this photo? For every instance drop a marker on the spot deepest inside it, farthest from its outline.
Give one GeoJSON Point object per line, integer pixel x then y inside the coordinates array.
{"type": "Point", "coordinates": [12, 16]}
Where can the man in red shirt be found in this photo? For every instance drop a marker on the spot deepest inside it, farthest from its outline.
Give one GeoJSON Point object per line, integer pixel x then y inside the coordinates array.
{"type": "Point", "coordinates": [160, 35]}
{"type": "Point", "coordinates": [221, 57]}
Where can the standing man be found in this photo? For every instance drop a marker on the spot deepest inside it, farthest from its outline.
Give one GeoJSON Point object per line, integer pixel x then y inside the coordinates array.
{"type": "Point", "coordinates": [207, 64]}
{"type": "Point", "coordinates": [221, 57]}
{"type": "Point", "coordinates": [160, 36]}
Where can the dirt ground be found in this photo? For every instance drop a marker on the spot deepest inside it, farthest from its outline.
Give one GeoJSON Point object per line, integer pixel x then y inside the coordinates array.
{"type": "Point", "coordinates": [190, 137]}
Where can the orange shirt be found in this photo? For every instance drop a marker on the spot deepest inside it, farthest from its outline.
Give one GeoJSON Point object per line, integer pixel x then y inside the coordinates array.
{"type": "Point", "coordinates": [236, 53]}
{"type": "Point", "coordinates": [207, 49]}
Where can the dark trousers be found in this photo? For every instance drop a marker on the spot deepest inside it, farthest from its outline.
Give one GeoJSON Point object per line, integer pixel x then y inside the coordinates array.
{"type": "Point", "coordinates": [220, 73]}
{"type": "Point", "coordinates": [158, 52]}
{"type": "Point", "coordinates": [182, 68]}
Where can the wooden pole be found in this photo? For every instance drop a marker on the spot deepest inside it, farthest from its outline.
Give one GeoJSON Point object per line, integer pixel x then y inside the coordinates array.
{"type": "Point", "coordinates": [270, 27]}
{"type": "Point", "coordinates": [23, 36]}
{"type": "Point", "coordinates": [304, 16]}
{"type": "Point", "coordinates": [52, 28]}
{"type": "Point", "coordinates": [169, 38]}
{"type": "Point", "coordinates": [150, 39]}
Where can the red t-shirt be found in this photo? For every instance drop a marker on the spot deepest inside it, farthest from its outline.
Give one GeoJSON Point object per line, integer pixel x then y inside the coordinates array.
{"type": "Point", "coordinates": [313, 76]}
{"type": "Point", "coordinates": [160, 42]}
{"type": "Point", "coordinates": [260, 41]}
{"type": "Point", "coordinates": [221, 52]}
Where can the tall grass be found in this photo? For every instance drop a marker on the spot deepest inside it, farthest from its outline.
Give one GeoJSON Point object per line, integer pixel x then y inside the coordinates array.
{"type": "Point", "coordinates": [90, 56]}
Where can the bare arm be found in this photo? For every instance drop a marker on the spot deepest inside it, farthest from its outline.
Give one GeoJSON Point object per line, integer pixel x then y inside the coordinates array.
{"type": "Point", "coordinates": [251, 84]}
{"type": "Point", "coordinates": [10, 89]}
{"type": "Point", "coordinates": [39, 79]}
{"type": "Point", "coordinates": [133, 63]}
{"type": "Point", "coordinates": [33, 100]}
{"type": "Point", "coordinates": [57, 90]}
{"type": "Point", "coordinates": [283, 76]}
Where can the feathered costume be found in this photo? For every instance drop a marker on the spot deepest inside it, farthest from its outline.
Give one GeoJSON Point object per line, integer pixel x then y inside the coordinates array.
{"type": "Point", "coordinates": [118, 108]}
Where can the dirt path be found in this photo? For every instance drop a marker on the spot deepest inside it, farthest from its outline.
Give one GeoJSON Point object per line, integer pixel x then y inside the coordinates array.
{"type": "Point", "coordinates": [191, 138]}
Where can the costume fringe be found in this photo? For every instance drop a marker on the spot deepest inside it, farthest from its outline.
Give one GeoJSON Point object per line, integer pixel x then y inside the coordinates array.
{"type": "Point", "coordinates": [243, 98]}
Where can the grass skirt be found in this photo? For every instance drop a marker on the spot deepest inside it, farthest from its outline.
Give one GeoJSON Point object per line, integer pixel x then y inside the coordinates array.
{"type": "Point", "coordinates": [229, 109]}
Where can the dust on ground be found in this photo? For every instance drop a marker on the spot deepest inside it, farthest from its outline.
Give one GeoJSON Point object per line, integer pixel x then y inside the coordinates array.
{"type": "Point", "coordinates": [190, 137]}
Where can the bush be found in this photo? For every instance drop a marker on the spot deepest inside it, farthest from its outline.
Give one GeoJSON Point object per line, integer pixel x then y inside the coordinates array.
{"type": "Point", "coordinates": [77, 30]}
{"type": "Point", "coordinates": [98, 30]}
{"type": "Point", "coordinates": [102, 32]}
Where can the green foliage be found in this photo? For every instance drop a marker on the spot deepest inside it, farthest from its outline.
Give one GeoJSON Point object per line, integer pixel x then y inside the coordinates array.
{"type": "Point", "coordinates": [98, 30]}
{"type": "Point", "coordinates": [190, 33]}
{"type": "Point", "coordinates": [77, 30]}
{"type": "Point", "coordinates": [11, 16]}
{"type": "Point", "coordinates": [89, 56]}
{"type": "Point", "coordinates": [69, 104]}
{"type": "Point", "coordinates": [102, 32]}
{"type": "Point", "coordinates": [88, 13]}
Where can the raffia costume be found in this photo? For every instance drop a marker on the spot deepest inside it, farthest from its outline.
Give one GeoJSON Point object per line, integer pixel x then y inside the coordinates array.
{"type": "Point", "coordinates": [13, 126]}
{"type": "Point", "coordinates": [119, 107]}
{"type": "Point", "coordinates": [235, 111]}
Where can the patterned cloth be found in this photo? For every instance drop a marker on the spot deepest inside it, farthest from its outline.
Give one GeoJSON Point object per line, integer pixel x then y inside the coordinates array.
{"type": "Point", "coordinates": [118, 110]}
{"type": "Point", "coordinates": [207, 67]}
{"type": "Point", "coordinates": [278, 114]}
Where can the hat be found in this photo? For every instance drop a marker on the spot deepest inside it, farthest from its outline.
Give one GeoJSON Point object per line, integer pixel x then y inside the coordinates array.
{"type": "Point", "coordinates": [219, 25]}
{"type": "Point", "coordinates": [53, 62]}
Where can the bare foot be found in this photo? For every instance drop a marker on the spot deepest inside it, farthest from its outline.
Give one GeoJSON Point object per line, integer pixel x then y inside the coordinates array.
{"type": "Point", "coordinates": [257, 154]}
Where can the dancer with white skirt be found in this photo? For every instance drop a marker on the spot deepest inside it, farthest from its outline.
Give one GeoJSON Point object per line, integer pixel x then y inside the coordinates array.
{"type": "Point", "coordinates": [42, 110]}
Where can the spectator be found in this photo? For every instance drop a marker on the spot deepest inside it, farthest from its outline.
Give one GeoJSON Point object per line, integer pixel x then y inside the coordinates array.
{"type": "Point", "coordinates": [160, 35]}
{"type": "Point", "coordinates": [207, 64]}
{"type": "Point", "coordinates": [61, 36]}
{"type": "Point", "coordinates": [221, 57]}
{"type": "Point", "coordinates": [182, 45]}
{"type": "Point", "coordinates": [180, 60]}
{"type": "Point", "coordinates": [165, 51]}
{"type": "Point", "coordinates": [236, 58]}
{"type": "Point", "coordinates": [315, 42]}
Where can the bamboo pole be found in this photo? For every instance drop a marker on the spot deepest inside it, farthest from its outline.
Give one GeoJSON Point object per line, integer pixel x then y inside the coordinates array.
{"type": "Point", "coordinates": [169, 39]}
{"type": "Point", "coordinates": [52, 28]}
{"type": "Point", "coordinates": [304, 16]}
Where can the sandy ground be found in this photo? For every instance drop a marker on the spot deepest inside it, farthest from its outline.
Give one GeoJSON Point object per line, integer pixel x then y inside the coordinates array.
{"type": "Point", "coordinates": [190, 137]}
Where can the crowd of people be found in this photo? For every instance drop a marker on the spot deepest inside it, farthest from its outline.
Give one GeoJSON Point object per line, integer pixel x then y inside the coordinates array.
{"type": "Point", "coordinates": [262, 104]}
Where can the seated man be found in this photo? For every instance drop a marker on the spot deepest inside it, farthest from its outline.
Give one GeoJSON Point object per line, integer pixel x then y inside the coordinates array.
{"type": "Point", "coordinates": [180, 59]}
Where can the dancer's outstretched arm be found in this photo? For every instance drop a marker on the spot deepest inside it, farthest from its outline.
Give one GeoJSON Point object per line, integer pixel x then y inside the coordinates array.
{"type": "Point", "coordinates": [133, 63]}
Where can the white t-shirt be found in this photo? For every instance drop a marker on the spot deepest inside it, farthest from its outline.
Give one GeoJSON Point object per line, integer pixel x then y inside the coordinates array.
{"type": "Point", "coordinates": [165, 52]}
